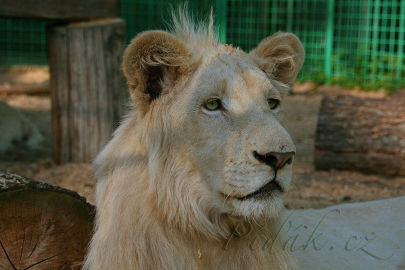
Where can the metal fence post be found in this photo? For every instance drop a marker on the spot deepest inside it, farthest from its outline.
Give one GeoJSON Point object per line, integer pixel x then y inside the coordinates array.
{"type": "Point", "coordinates": [401, 42]}
{"type": "Point", "coordinates": [329, 41]}
{"type": "Point", "coordinates": [221, 10]}
{"type": "Point", "coordinates": [290, 13]}
{"type": "Point", "coordinates": [376, 27]}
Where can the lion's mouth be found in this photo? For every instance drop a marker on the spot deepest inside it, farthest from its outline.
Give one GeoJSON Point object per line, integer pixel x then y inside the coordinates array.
{"type": "Point", "coordinates": [264, 191]}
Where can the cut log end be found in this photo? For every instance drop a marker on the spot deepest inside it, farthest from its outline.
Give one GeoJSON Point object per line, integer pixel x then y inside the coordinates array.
{"type": "Point", "coordinates": [42, 226]}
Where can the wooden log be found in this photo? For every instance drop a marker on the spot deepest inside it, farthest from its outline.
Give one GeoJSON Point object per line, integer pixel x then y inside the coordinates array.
{"type": "Point", "coordinates": [362, 134]}
{"type": "Point", "coordinates": [42, 226]}
{"type": "Point", "coordinates": [59, 9]}
{"type": "Point", "coordinates": [24, 90]}
{"type": "Point", "coordinates": [88, 89]}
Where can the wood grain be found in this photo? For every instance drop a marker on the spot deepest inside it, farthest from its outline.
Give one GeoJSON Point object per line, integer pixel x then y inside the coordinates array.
{"type": "Point", "coordinates": [59, 9]}
{"type": "Point", "coordinates": [88, 90]}
{"type": "Point", "coordinates": [362, 134]}
{"type": "Point", "coordinates": [42, 226]}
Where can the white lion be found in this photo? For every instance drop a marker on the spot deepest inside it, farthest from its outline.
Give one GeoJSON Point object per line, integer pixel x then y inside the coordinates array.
{"type": "Point", "coordinates": [202, 157]}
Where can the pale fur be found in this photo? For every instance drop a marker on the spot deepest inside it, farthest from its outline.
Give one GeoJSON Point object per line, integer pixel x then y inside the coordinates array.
{"type": "Point", "coordinates": [16, 128]}
{"type": "Point", "coordinates": [169, 180]}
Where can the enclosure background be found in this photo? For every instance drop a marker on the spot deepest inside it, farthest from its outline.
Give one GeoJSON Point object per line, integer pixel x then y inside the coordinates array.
{"type": "Point", "coordinates": [357, 42]}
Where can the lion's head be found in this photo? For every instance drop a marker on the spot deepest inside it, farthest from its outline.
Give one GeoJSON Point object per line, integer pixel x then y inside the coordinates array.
{"type": "Point", "coordinates": [214, 109]}
{"type": "Point", "coordinates": [203, 144]}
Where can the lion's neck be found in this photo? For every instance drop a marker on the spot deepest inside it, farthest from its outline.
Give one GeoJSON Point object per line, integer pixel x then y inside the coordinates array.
{"type": "Point", "coordinates": [230, 242]}
{"type": "Point", "coordinates": [247, 246]}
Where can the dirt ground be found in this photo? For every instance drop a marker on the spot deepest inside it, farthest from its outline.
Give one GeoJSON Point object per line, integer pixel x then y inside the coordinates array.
{"type": "Point", "coordinates": [311, 188]}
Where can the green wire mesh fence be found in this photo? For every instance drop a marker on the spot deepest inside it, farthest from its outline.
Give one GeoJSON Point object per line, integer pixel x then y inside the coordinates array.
{"type": "Point", "coordinates": [22, 42]}
{"type": "Point", "coordinates": [357, 42]}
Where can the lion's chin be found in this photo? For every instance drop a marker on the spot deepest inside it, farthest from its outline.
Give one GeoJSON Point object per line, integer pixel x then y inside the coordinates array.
{"type": "Point", "coordinates": [256, 207]}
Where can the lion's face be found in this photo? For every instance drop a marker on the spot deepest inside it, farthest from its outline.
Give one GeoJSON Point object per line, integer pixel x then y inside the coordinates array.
{"type": "Point", "coordinates": [217, 114]}
{"type": "Point", "coordinates": [229, 121]}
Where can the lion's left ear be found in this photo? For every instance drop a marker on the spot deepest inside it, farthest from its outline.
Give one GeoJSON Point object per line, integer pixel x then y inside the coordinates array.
{"type": "Point", "coordinates": [281, 56]}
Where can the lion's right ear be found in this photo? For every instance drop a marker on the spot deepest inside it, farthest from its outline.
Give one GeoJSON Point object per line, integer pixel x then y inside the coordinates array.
{"type": "Point", "coordinates": [151, 57]}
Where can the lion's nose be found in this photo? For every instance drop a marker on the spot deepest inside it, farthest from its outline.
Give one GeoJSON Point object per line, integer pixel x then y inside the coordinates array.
{"type": "Point", "coordinates": [275, 160]}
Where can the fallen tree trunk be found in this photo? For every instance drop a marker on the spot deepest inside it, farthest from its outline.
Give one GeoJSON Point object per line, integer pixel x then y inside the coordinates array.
{"type": "Point", "coordinates": [24, 90]}
{"type": "Point", "coordinates": [42, 226]}
{"type": "Point", "coordinates": [362, 134]}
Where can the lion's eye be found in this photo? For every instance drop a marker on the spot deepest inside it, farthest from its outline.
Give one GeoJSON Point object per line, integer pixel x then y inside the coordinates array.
{"type": "Point", "coordinates": [273, 103]}
{"type": "Point", "coordinates": [213, 104]}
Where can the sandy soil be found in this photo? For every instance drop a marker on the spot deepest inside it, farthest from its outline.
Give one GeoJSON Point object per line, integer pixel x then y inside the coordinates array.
{"type": "Point", "coordinates": [311, 188]}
